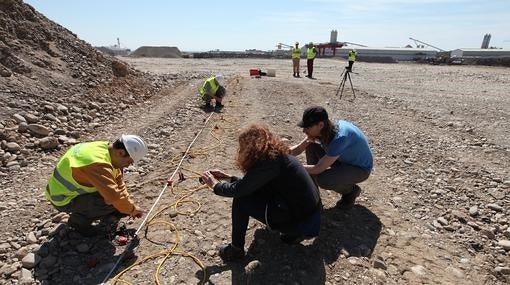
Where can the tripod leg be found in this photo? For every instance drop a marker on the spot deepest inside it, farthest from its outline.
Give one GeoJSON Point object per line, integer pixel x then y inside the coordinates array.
{"type": "Point", "coordinates": [352, 88]}
{"type": "Point", "coordinates": [340, 85]}
{"type": "Point", "coordinates": [343, 84]}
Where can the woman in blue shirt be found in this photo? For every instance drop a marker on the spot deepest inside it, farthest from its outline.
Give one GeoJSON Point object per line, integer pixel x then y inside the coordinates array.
{"type": "Point", "coordinates": [338, 155]}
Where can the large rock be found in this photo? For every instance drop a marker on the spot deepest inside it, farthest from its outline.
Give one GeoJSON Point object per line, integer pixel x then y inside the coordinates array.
{"type": "Point", "coordinates": [120, 69]}
{"type": "Point", "coordinates": [39, 130]}
{"type": "Point", "coordinates": [4, 72]}
{"type": "Point", "coordinates": [48, 143]}
{"type": "Point", "coordinates": [18, 118]}
{"type": "Point", "coordinates": [505, 244]}
{"type": "Point", "coordinates": [7, 2]}
{"type": "Point", "coordinates": [13, 147]}
{"type": "Point", "coordinates": [31, 118]}
{"type": "Point", "coordinates": [30, 260]}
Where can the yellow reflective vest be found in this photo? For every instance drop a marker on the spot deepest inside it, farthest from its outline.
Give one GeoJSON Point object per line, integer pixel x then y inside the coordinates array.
{"type": "Point", "coordinates": [352, 55]}
{"type": "Point", "coordinates": [209, 87]}
{"type": "Point", "coordinates": [310, 53]}
{"type": "Point", "coordinates": [296, 52]}
{"type": "Point", "coordinates": [62, 188]}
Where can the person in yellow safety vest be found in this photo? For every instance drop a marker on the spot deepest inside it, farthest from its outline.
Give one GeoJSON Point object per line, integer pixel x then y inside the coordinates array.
{"type": "Point", "coordinates": [296, 57]}
{"type": "Point", "coordinates": [351, 57]}
{"type": "Point", "coordinates": [212, 89]}
{"type": "Point", "coordinates": [88, 183]}
{"type": "Point", "coordinates": [311, 53]}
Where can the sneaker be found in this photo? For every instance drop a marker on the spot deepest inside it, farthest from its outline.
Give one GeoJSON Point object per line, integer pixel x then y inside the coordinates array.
{"type": "Point", "coordinates": [219, 106]}
{"type": "Point", "coordinates": [230, 253]}
{"type": "Point", "coordinates": [349, 199]}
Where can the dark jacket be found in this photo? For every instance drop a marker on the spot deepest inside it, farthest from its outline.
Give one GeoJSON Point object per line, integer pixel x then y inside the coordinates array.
{"type": "Point", "coordinates": [283, 179]}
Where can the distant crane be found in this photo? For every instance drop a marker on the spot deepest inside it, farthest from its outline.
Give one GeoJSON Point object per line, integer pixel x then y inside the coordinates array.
{"type": "Point", "coordinates": [354, 44]}
{"type": "Point", "coordinates": [284, 45]}
{"type": "Point", "coordinates": [415, 41]}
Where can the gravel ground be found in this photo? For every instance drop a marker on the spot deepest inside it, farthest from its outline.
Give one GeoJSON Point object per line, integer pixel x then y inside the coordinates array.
{"type": "Point", "coordinates": [434, 211]}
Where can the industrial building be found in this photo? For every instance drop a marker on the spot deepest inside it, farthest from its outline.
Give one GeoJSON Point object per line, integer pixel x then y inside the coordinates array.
{"type": "Point", "coordinates": [336, 48]}
{"type": "Point", "coordinates": [478, 53]}
{"type": "Point", "coordinates": [387, 54]}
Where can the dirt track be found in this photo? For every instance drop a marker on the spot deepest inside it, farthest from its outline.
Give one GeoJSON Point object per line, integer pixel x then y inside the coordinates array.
{"type": "Point", "coordinates": [440, 140]}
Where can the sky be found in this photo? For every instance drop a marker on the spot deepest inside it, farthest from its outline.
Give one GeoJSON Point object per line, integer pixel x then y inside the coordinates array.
{"type": "Point", "coordinates": [239, 25]}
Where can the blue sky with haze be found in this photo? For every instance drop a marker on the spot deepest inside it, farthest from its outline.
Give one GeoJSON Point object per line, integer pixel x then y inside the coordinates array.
{"type": "Point", "coordinates": [239, 25]}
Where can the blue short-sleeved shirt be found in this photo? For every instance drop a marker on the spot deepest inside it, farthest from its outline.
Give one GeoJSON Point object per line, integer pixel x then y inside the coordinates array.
{"type": "Point", "coordinates": [351, 145]}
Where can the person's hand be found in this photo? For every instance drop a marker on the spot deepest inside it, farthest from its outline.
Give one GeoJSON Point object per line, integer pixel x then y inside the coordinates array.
{"type": "Point", "coordinates": [307, 141]}
{"type": "Point", "coordinates": [219, 174]}
{"type": "Point", "coordinates": [209, 179]}
{"type": "Point", "coordinates": [137, 213]}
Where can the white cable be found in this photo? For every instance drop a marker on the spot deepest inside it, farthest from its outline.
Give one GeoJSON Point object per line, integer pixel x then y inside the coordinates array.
{"type": "Point", "coordinates": [157, 200]}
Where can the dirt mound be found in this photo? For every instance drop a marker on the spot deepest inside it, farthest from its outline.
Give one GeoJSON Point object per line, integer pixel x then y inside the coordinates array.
{"type": "Point", "coordinates": [55, 87]}
{"type": "Point", "coordinates": [148, 51]}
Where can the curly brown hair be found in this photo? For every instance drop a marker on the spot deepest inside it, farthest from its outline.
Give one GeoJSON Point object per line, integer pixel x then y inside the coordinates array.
{"type": "Point", "coordinates": [257, 143]}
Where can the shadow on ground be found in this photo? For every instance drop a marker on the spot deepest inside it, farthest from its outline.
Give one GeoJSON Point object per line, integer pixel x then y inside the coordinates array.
{"type": "Point", "coordinates": [69, 258]}
{"type": "Point", "coordinates": [269, 261]}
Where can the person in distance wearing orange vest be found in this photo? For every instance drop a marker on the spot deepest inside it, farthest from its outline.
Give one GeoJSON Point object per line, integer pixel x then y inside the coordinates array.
{"type": "Point", "coordinates": [88, 183]}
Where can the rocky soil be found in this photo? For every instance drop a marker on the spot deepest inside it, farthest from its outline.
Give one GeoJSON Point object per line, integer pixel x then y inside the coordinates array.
{"type": "Point", "coordinates": [434, 211]}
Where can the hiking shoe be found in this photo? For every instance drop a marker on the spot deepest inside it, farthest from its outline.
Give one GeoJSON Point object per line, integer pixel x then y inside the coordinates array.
{"type": "Point", "coordinates": [84, 230]}
{"type": "Point", "coordinates": [108, 224]}
{"type": "Point", "coordinates": [230, 253]}
{"type": "Point", "coordinates": [208, 107]}
{"type": "Point", "coordinates": [349, 199]}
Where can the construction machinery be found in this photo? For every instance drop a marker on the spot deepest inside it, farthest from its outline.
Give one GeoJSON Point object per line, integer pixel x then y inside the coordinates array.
{"type": "Point", "coordinates": [424, 43]}
{"type": "Point", "coordinates": [354, 44]}
{"type": "Point", "coordinates": [280, 45]}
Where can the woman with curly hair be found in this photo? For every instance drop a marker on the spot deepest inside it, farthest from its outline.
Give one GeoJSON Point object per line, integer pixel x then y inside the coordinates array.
{"type": "Point", "coordinates": [275, 189]}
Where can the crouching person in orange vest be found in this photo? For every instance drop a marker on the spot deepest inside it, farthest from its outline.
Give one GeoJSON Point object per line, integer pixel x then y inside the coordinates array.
{"type": "Point", "coordinates": [88, 183]}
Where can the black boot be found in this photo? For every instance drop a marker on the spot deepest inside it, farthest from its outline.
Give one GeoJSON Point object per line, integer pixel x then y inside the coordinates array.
{"type": "Point", "coordinates": [219, 106]}
{"type": "Point", "coordinates": [208, 107]}
{"type": "Point", "coordinates": [348, 200]}
{"type": "Point", "coordinates": [82, 225]}
{"type": "Point", "coordinates": [230, 253]}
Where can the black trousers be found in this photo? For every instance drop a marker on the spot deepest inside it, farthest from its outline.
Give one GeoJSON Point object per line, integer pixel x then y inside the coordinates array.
{"type": "Point", "coordinates": [86, 208]}
{"type": "Point", "coordinates": [309, 65]}
{"type": "Point", "coordinates": [350, 65]}
{"type": "Point", "coordinates": [278, 217]}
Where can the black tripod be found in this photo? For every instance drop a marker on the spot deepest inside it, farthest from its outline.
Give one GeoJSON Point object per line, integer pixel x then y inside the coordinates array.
{"type": "Point", "coordinates": [346, 74]}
